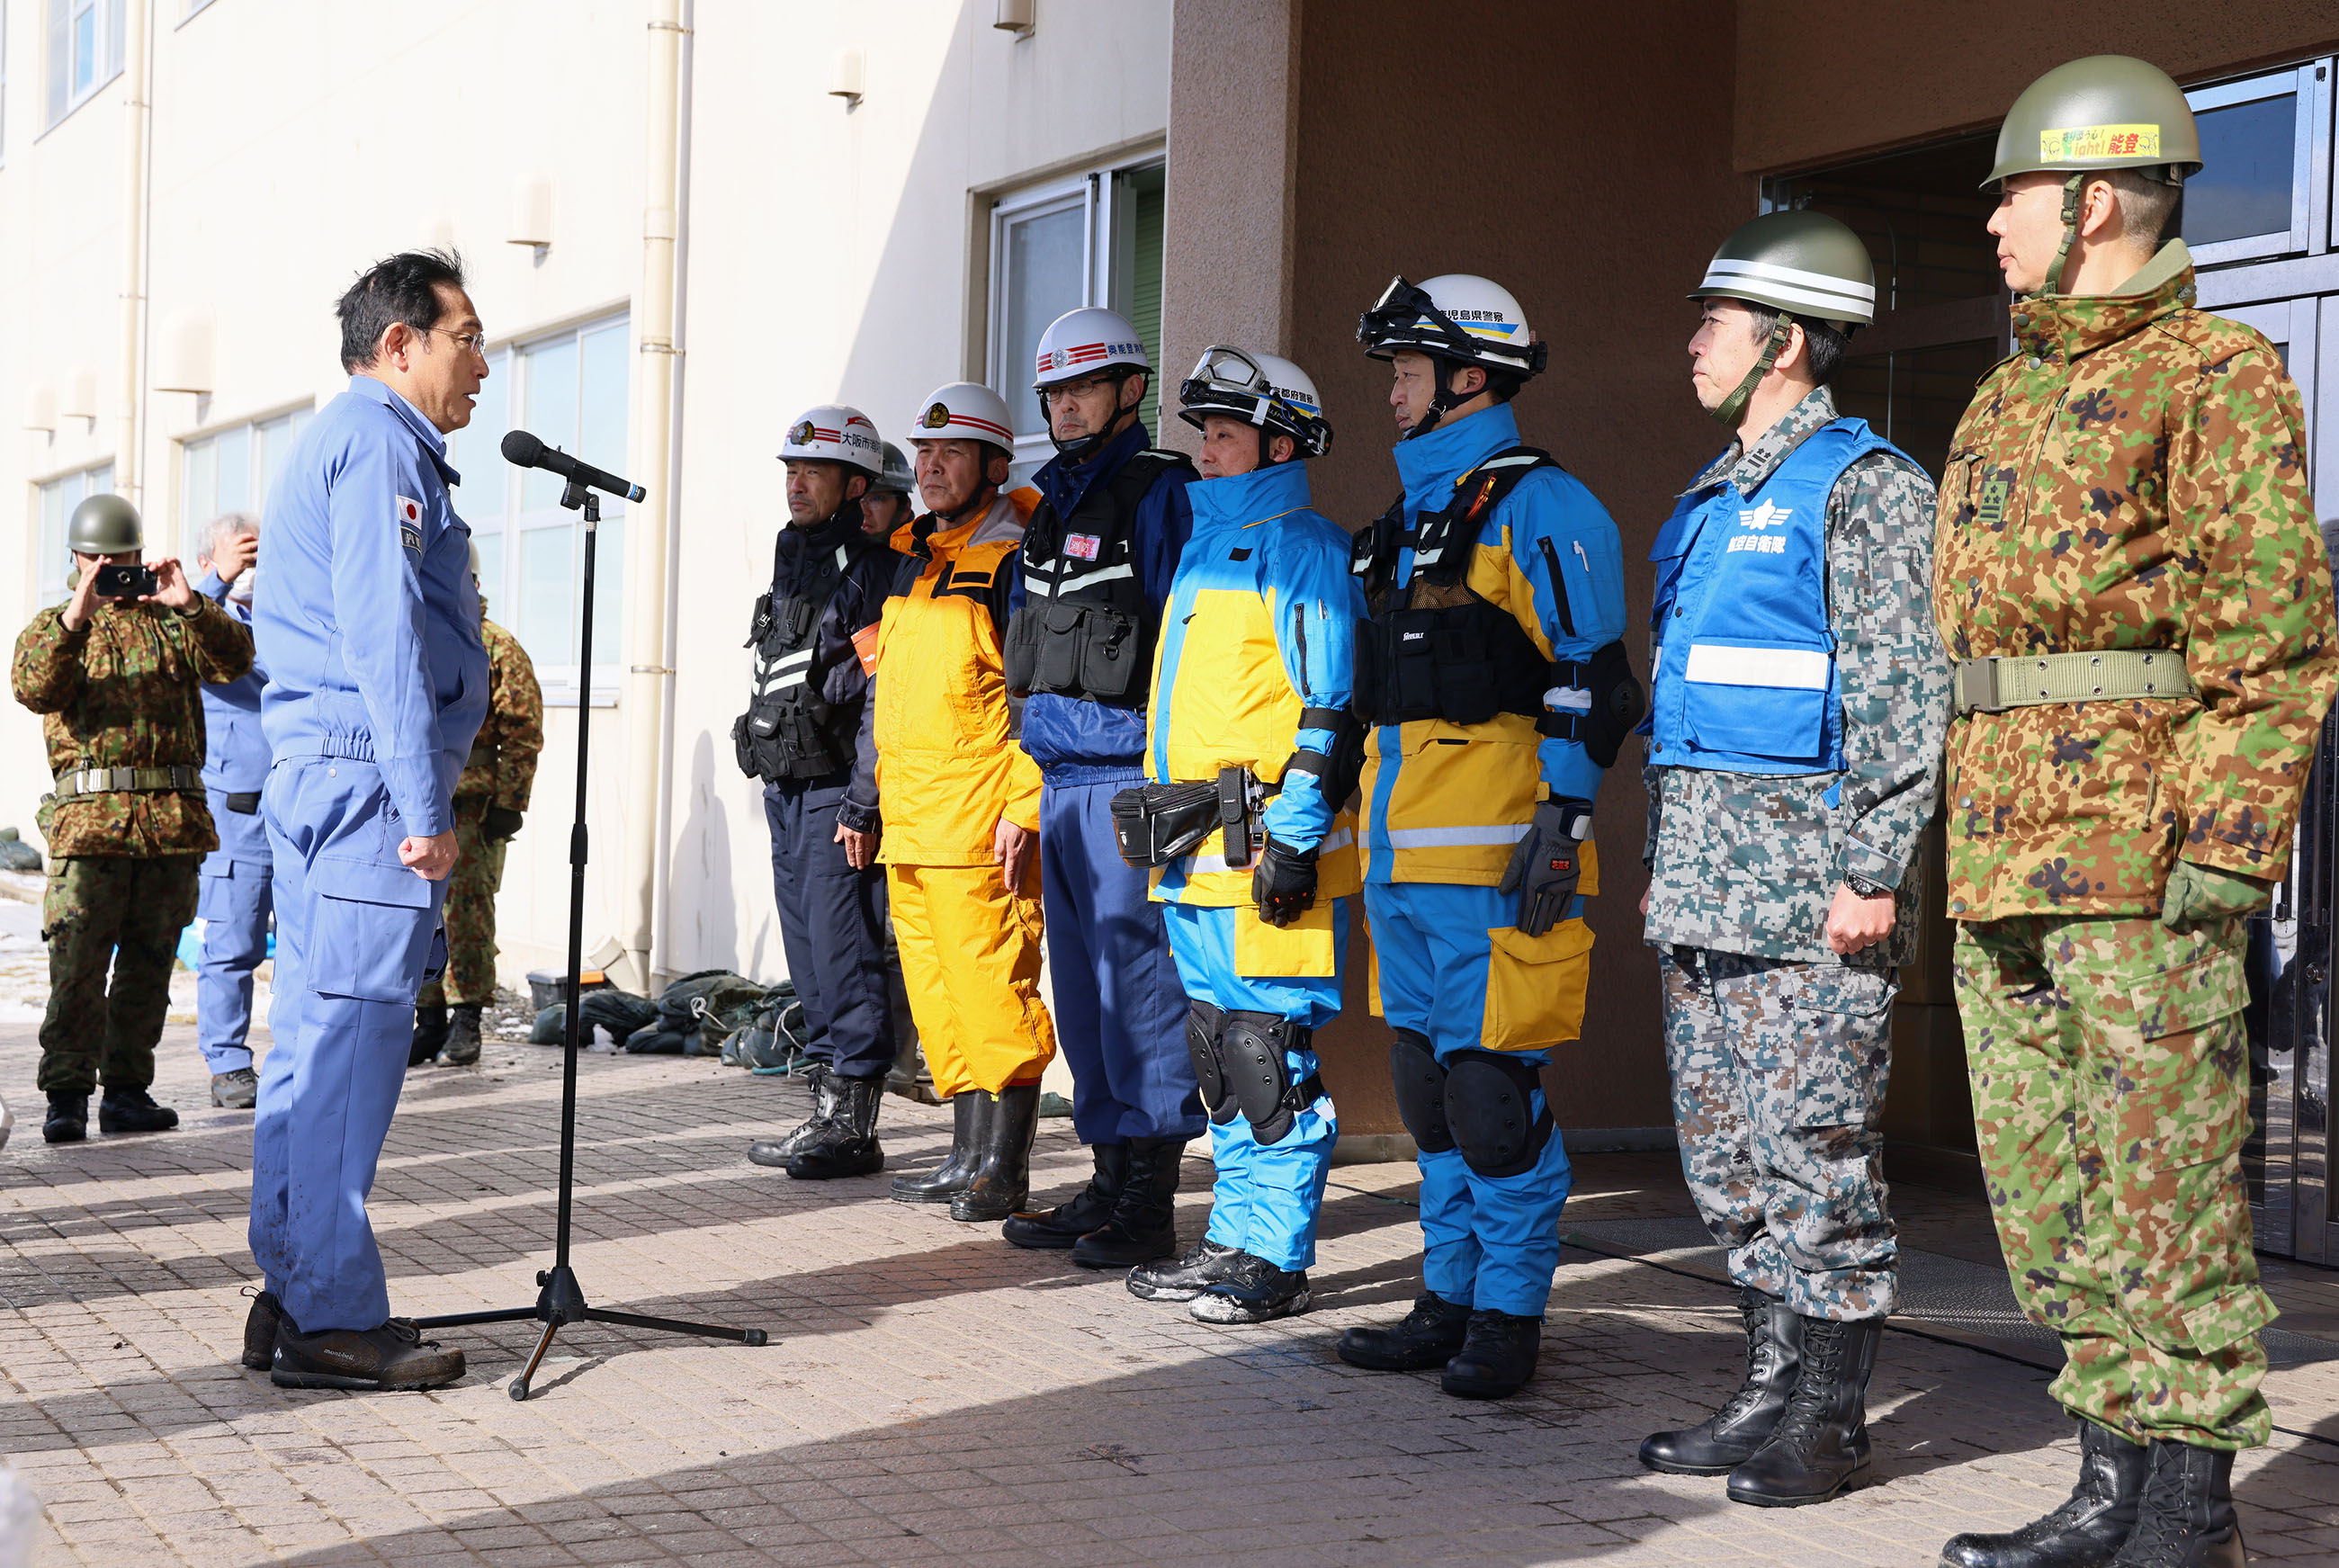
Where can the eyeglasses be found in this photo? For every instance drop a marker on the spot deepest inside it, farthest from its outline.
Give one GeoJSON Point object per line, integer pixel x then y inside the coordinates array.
{"type": "Point", "coordinates": [475, 342]}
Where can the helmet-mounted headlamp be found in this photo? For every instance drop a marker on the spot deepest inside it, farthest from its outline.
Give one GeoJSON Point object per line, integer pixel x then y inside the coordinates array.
{"type": "Point", "coordinates": [1228, 382]}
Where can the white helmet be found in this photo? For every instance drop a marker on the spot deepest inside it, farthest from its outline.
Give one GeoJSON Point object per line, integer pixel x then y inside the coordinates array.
{"type": "Point", "coordinates": [835, 433]}
{"type": "Point", "coordinates": [967, 411]}
{"type": "Point", "coordinates": [1263, 389]}
{"type": "Point", "coordinates": [1456, 317]}
{"type": "Point", "coordinates": [1083, 342]}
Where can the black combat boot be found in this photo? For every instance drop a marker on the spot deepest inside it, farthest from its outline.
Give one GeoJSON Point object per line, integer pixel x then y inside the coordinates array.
{"type": "Point", "coordinates": [238, 1088]}
{"type": "Point", "coordinates": [1205, 1264]}
{"type": "Point", "coordinates": [1253, 1291]}
{"type": "Point", "coordinates": [847, 1144]}
{"type": "Point", "coordinates": [1497, 1358]}
{"type": "Point", "coordinates": [1728, 1438]}
{"type": "Point", "coordinates": [1821, 1443]}
{"type": "Point", "coordinates": [1144, 1221]}
{"type": "Point", "coordinates": [2186, 1517]}
{"type": "Point", "coordinates": [1431, 1334]}
{"type": "Point", "coordinates": [1091, 1205]}
{"type": "Point", "coordinates": [949, 1179]}
{"type": "Point", "coordinates": [430, 1028]}
{"type": "Point", "coordinates": [68, 1121]}
{"type": "Point", "coordinates": [128, 1109]}
{"type": "Point", "coordinates": [260, 1326]}
{"type": "Point", "coordinates": [463, 1035]}
{"type": "Point", "coordinates": [1002, 1178]}
{"type": "Point", "coordinates": [778, 1151]}
{"type": "Point", "coordinates": [2087, 1529]}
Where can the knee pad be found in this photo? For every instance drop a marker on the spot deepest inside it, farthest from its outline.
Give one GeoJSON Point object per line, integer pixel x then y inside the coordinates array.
{"type": "Point", "coordinates": [1256, 1072]}
{"type": "Point", "coordinates": [1203, 1023]}
{"type": "Point", "coordinates": [1490, 1105]}
{"type": "Point", "coordinates": [1421, 1089]}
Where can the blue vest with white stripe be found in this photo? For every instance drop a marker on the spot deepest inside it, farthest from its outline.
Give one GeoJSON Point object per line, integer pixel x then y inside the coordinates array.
{"type": "Point", "coordinates": [1745, 661]}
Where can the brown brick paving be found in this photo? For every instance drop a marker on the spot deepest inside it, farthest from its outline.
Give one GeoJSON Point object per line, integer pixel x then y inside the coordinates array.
{"type": "Point", "coordinates": [930, 1394]}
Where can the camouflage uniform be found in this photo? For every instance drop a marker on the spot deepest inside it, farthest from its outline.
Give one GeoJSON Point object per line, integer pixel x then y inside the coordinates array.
{"type": "Point", "coordinates": [122, 691]}
{"type": "Point", "coordinates": [499, 771]}
{"type": "Point", "coordinates": [2130, 477]}
{"type": "Point", "coordinates": [1777, 1045]}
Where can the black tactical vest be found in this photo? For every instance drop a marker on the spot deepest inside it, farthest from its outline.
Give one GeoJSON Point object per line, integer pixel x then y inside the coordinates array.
{"type": "Point", "coordinates": [789, 730]}
{"type": "Point", "coordinates": [1086, 628]}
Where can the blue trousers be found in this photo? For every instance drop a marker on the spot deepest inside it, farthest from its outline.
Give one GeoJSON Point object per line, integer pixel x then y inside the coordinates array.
{"type": "Point", "coordinates": [1268, 1196]}
{"type": "Point", "coordinates": [1119, 1009]}
{"type": "Point", "coordinates": [356, 934]}
{"type": "Point", "coordinates": [1487, 1241]}
{"type": "Point", "coordinates": [832, 927]}
{"type": "Point", "coordinates": [235, 903]}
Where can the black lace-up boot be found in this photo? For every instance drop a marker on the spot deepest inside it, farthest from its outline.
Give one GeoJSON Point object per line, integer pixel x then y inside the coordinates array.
{"type": "Point", "coordinates": [2089, 1526]}
{"type": "Point", "coordinates": [1821, 1443]}
{"type": "Point", "coordinates": [2186, 1518]}
{"type": "Point", "coordinates": [1431, 1334]}
{"type": "Point", "coordinates": [1728, 1438]}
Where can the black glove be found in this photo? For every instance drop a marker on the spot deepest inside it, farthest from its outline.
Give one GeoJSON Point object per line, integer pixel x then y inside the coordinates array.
{"type": "Point", "coordinates": [501, 822]}
{"type": "Point", "coordinates": [1283, 882]}
{"type": "Point", "coordinates": [1544, 869]}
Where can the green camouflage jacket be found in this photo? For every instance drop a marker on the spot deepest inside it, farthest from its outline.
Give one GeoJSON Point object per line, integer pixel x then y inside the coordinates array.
{"type": "Point", "coordinates": [2131, 476]}
{"type": "Point", "coordinates": [1750, 864]}
{"type": "Point", "coordinates": [125, 691]}
{"type": "Point", "coordinates": [501, 768]}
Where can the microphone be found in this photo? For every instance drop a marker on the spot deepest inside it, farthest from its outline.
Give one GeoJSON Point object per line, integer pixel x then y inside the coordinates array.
{"type": "Point", "coordinates": [525, 451]}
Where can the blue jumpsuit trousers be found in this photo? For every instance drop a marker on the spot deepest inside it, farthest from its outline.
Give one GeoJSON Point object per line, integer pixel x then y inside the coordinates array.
{"type": "Point", "coordinates": [1487, 1241]}
{"type": "Point", "coordinates": [833, 928]}
{"type": "Point", "coordinates": [235, 904]}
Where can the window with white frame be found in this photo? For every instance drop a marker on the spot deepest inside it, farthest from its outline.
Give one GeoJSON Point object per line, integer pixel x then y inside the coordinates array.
{"type": "Point", "coordinates": [2263, 139]}
{"type": "Point", "coordinates": [1092, 239]}
{"type": "Point", "coordinates": [232, 470]}
{"type": "Point", "coordinates": [59, 497]}
{"type": "Point", "coordinates": [84, 51]}
{"type": "Point", "coordinates": [569, 390]}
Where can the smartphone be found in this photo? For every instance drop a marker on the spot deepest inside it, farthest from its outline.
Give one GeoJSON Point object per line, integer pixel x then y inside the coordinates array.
{"type": "Point", "coordinates": [125, 582]}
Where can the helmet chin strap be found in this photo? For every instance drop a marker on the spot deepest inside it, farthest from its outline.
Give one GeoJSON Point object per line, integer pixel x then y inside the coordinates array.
{"type": "Point", "coordinates": [1730, 408]}
{"type": "Point", "coordinates": [985, 494]}
{"type": "Point", "coordinates": [1078, 449]}
{"type": "Point", "coordinates": [1443, 401]}
{"type": "Point", "coordinates": [2053, 283]}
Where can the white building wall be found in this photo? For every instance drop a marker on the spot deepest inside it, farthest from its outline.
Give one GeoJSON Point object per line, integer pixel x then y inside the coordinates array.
{"type": "Point", "coordinates": [832, 251]}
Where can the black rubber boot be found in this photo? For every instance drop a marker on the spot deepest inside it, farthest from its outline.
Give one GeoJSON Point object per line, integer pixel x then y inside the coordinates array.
{"type": "Point", "coordinates": [1728, 1438]}
{"type": "Point", "coordinates": [2186, 1519]}
{"type": "Point", "coordinates": [127, 1110]}
{"type": "Point", "coordinates": [430, 1028]}
{"type": "Point", "coordinates": [1254, 1291]}
{"type": "Point", "coordinates": [2087, 1529]}
{"type": "Point", "coordinates": [1205, 1264]}
{"type": "Point", "coordinates": [1431, 1334]}
{"type": "Point", "coordinates": [68, 1118]}
{"type": "Point", "coordinates": [1059, 1227]}
{"type": "Point", "coordinates": [847, 1144]}
{"type": "Point", "coordinates": [238, 1088]}
{"type": "Point", "coordinates": [1002, 1178]}
{"type": "Point", "coordinates": [1821, 1443]}
{"type": "Point", "coordinates": [1144, 1222]}
{"type": "Point", "coordinates": [778, 1151]}
{"type": "Point", "coordinates": [462, 1036]}
{"type": "Point", "coordinates": [260, 1326]}
{"type": "Point", "coordinates": [949, 1179]}
{"type": "Point", "coordinates": [1497, 1358]}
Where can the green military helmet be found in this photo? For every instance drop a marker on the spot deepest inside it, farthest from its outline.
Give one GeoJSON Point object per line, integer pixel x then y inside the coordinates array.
{"type": "Point", "coordinates": [896, 478]}
{"type": "Point", "coordinates": [104, 526]}
{"type": "Point", "coordinates": [2103, 111]}
{"type": "Point", "coordinates": [1804, 263]}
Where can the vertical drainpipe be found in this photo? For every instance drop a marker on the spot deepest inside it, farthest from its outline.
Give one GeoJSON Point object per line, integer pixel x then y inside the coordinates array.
{"type": "Point", "coordinates": [128, 468]}
{"type": "Point", "coordinates": [649, 679]}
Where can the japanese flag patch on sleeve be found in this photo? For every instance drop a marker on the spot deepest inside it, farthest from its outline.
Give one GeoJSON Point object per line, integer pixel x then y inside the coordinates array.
{"type": "Point", "coordinates": [409, 523]}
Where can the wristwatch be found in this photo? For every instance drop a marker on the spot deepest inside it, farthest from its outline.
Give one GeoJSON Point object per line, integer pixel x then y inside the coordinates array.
{"type": "Point", "coordinates": [1862, 887]}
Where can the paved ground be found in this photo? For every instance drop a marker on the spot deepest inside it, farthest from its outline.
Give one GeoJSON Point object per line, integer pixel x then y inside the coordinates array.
{"type": "Point", "coordinates": [930, 1394]}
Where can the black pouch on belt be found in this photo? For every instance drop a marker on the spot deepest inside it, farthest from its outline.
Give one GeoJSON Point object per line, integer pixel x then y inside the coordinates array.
{"type": "Point", "coordinates": [245, 803]}
{"type": "Point", "coordinates": [1155, 824]}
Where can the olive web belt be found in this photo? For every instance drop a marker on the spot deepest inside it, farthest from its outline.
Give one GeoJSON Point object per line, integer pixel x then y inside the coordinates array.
{"type": "Point", "coordinates": [2036, 680]}
{"type": "Point", "coordinates": [109, 780]}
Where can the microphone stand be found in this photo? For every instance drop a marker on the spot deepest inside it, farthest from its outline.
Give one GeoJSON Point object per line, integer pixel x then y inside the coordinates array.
{"type": "Point", "coordinates": [562, 1299]}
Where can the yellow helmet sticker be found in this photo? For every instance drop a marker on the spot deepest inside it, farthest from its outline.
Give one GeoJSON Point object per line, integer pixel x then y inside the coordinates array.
{"type": "Point", "coordinates": [2073, 142]}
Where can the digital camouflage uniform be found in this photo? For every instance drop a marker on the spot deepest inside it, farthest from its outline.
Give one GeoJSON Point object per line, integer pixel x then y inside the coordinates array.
{"type": "Point", "coordinates": [2129, 478]}
{"type": "Point", "coordinates": [1778, 1047]}
{"type": "Point", "coordinates": [122, 691]}
{"type": "Point", "coordinates": [499, 771]}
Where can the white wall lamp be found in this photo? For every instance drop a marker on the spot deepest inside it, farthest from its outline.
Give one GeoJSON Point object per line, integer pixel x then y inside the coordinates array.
{"type": "Point", "coordinates": [845, 78]}
{"type": "Point", "coordinates": [531, 214]}
{"type": "Point", "coordinates": [1017, 16]}
{"type": "Point", "coordinates": [81, 398]}
{"type": "Point", "coordinates": [41, 409]}
{"type": "Point", "coordinates": [182, 359]}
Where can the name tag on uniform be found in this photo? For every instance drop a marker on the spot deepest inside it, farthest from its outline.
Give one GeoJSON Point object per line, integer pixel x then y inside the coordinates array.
{"type": "Point", "coordinates": [409, 523]}
{"type": "Point", "coordinates": [1082, 545]}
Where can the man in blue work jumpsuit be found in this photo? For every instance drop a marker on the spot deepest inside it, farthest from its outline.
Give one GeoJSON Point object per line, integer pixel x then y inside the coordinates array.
{"type": "Point", "coordinates": [235, 902]}
{"type": "Point", "coordinates": [369, 627]}
{"type": "Point", "coordinates": [1498, 692]}
{"type": "Point", "coordinates": [1093, 577]}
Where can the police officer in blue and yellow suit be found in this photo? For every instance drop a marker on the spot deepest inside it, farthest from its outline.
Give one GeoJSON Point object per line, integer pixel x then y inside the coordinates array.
{"type": "Point", "coordinates": [1498, 693]}
{"type": "Point", "coordinates": [1250, 710]}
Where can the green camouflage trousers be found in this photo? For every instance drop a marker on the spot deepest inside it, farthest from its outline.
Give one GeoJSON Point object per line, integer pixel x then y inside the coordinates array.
{"type": "Point", "coordinates": [120, 911]}
{"type": "Point", "coordinates": [470, 912]}
{"type": "Point", "coordinates": [1778, 1068]}
{"type": "Point", "coordinates": [2111, 1097]}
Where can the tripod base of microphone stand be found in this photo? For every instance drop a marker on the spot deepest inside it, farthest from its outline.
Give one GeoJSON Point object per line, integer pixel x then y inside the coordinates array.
{"type": "Point", "coordinates": [562, 1301]}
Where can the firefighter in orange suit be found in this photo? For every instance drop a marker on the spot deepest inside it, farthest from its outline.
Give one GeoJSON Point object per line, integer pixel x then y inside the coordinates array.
{"type": "Point", "coordinates": [960, 804]}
